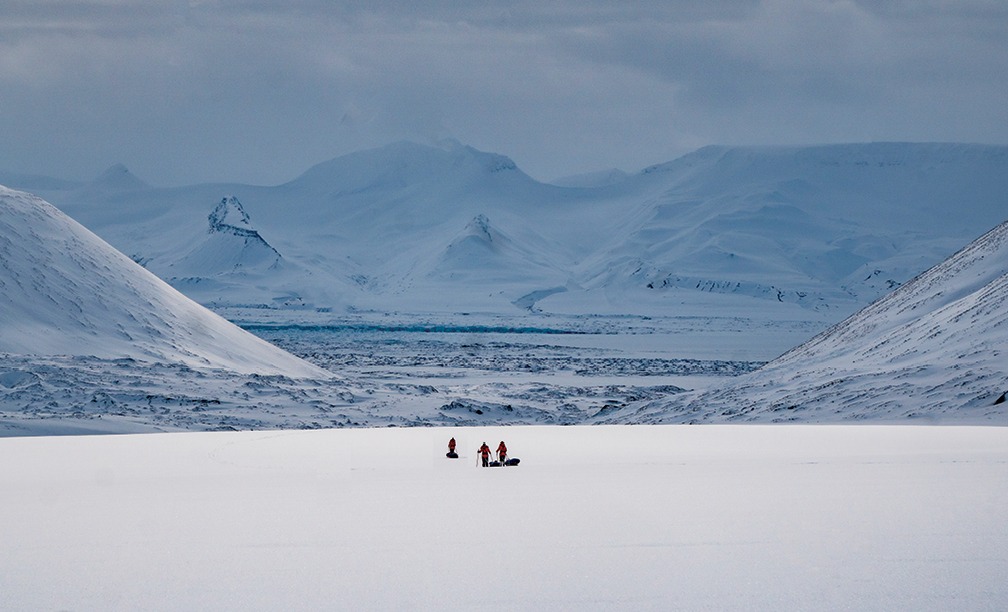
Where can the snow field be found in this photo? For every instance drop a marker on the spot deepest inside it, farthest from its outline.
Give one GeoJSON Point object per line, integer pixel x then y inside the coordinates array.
{"type": "Point", "coordinates": [615, 517]}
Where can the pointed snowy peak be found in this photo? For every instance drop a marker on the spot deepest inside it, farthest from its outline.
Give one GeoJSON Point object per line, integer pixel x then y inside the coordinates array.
{"type": "Point", "coordinates": [229, 215]}
{"type": "Point", "coordinates": [118, 178]}
{"type": "Point", "coordinates": [479, 228]}
{"type": "Point", "coordinates": [478, 236]}
{"type": "Point", "coordinates": [483, 253]}
{"type": "Point", "coordinates": [230, 245]}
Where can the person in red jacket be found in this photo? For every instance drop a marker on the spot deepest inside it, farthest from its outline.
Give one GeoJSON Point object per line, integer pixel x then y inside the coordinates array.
{"type": "Point", "coordinates": [484, 453]}
{"type": "Point", "coordinates": [451, 445]}
{"type": "Point", "coordinates": [501, 452]}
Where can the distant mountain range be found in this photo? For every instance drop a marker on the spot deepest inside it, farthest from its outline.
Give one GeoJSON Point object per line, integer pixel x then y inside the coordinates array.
{"type": "Point", "coordinates": [415, 228]}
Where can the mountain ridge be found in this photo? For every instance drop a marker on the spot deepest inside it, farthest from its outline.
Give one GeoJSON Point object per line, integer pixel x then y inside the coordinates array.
{"type": "Point", "coordinates": [837, 224]}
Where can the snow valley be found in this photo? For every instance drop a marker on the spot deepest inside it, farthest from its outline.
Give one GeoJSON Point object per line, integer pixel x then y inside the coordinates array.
{"type": "Point", "coordinates": [441, 285]}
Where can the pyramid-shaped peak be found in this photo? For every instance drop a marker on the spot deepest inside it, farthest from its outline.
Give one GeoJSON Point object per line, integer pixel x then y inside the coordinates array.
{"type": "Point", "coordinates": [230, 245]}
{"type": "Point", "coordinates": [480, 227]}
{"type": "Point", "coordinates": [118, 177]}
{"type": "Point", "coordinates": [229, 214]}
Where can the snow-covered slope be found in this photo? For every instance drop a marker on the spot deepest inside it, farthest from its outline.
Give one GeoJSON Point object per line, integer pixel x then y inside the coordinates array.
{"type": "Point", "coordinates": [66, 292]}
{"type": "Point", "coordinates": [778, 230]}
{"type": "Point", "coordinates": [933, 349]}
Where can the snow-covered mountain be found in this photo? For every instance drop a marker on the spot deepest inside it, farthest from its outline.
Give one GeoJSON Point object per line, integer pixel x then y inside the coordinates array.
{"type": "Point", "coordinates": [789, 232]}
{"type": "Point", "coordinates": [931, 350]}
{"type": "Point", "coordinates": [66, 292]}
{"type": "Point", "coordinates": [824, 227]}
{"type": "Point", "coordinates": [483, 253]}
{"type": "Point", "coordinates": [230, 253]}
{"type": "Point", "coordinates": [116, 178]}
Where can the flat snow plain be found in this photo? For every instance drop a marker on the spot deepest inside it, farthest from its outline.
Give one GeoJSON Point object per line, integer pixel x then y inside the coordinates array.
{"type": "Point", "coordinates": [611, 517]}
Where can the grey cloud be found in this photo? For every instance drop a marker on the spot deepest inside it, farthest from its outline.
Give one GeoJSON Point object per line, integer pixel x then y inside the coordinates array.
{"type": "Point", "coordinates": [256, 90]}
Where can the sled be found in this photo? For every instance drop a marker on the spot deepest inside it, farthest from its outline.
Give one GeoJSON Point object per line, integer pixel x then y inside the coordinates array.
{"type": "Point", "coordinates": [451, 455]}
{"type": "Point", "coordinates": [494, 464]}
{"type": "Point", "coordinates": [512, 461]}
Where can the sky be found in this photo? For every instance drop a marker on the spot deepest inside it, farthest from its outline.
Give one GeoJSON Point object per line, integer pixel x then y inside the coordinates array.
{"type": "Point", "coordinates": [257, 92]}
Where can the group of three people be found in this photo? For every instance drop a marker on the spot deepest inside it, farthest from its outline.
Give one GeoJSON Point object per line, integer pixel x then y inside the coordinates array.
{"type": "Point", "coordinates": [484, 452]}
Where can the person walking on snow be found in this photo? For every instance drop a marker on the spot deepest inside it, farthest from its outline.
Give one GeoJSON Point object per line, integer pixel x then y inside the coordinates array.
{"type": "Point", "coordinates": [484, 453]}
{"type": "Point", "coordinates": [501, 452]}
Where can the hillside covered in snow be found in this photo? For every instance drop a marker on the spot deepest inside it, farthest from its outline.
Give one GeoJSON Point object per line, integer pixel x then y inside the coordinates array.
{"type": "Point", "coordinates": [87, 334]}
{"type": "Point", "coordinates": [932, 350]}
{"type": "Point", "coordinates": [67, 292]}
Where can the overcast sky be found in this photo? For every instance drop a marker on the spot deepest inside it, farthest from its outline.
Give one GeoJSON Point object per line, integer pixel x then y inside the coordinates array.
{"type": "Point", "coordinates": [257, 91]}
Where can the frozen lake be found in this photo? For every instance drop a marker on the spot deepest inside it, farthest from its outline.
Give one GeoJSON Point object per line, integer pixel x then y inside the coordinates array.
{"type": "Point", "coordinates": [569, 374]}
{"type": "Point", "coordinates": [649, 517]}
{"type": "Point", "coordinates": [403, 372]}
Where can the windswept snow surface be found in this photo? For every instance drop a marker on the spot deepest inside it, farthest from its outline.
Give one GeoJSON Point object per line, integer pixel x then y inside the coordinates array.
{"type": "Point", "coordinates": [932, 350]}
{"type": "Point", "coordinates": [627, 518]}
